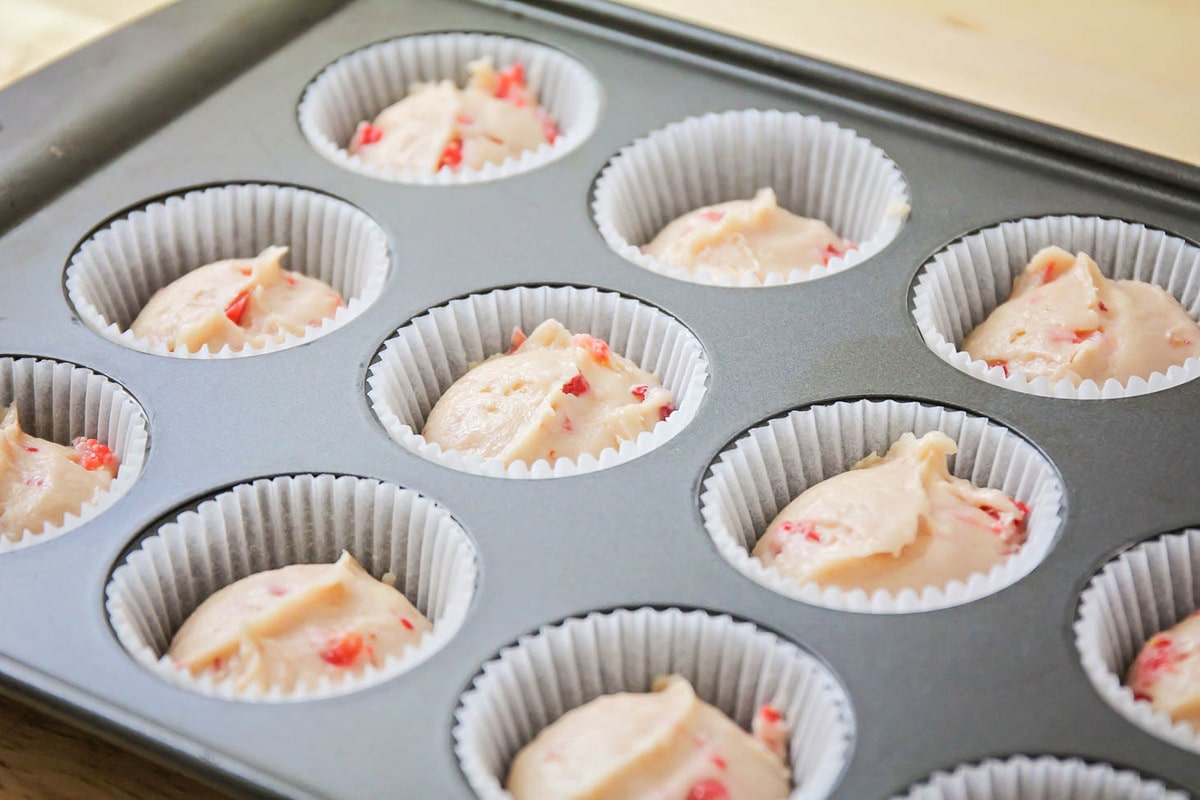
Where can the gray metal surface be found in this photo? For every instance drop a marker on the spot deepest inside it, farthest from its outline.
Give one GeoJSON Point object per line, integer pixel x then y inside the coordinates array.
{"type": "Point", "coordinates": [992, 678]}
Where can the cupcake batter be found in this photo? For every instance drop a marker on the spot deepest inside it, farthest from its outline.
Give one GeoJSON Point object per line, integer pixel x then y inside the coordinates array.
{"type": "Point", "coordinates": [236, 303]}
{"type": "Point", "coordinates": [41, 482]}
{"type": "Point", "coordinates": [665, 745]}
{"type": "Point", "coordinates": [439, 126]}
{"type": "Point", "coordinates": [552, 396]}
{"type": "Point", "coordinates": [1066, 321]}
{"type": "Point", "coordinates": [1167, 672]}
{"type": "Point", "coordinates": [288, 628]}
{"type": "Point", "coordinates": [897, 522]}
{"type": "Point", "coordinates": [741, 237]}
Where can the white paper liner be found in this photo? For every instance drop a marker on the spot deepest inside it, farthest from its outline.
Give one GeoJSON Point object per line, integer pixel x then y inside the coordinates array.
{"type": "Point", "coordinates": [113, 274]}
{"type": "Point", "coordinates": [418, 364]}
{"type": "Point", "coordinates": [356, 87]}
{"type": "Point", "coordinates": [1040, 778]}
{"type": "Point", "coordinates": [768, 467]}
{"type": "Point", "coordinates": [731, 665]}
{"type": "Point", "coordinates": [1141, 592]}
{"type": "Point", "coordinates": [957, 289]}
{"type": "Point", "coordinates": [58, 402]}
{"type": "Point", "coordinates": [816, 168]}
{"type": "Point", "coordinates": [272, 523]}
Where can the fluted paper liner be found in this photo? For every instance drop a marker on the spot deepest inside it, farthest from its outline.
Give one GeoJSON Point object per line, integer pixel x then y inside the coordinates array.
{"type": "Point", "coordinates": [272, 523]}
{"type": "Point", "coordinates": [113, 274]}
{"type": "Point", "coordinates": [418, 364]}
{"type": "Point", "coordinates": [752, 481]}
{"type": "Point", "coordinates": [1145, 590]}
{"type": "Point", "coordinates": [356, 87]}
{"type": "Point", "coordinates": [59, 402]}
{"type": "Point", "coordinates": [961, 285]}
{"type": "Point", "coordinates": [1039, 778]}
{"type": "Point", "coordinates": [816, 168]}
{"type": "Point", "coordinates": [731, 665]}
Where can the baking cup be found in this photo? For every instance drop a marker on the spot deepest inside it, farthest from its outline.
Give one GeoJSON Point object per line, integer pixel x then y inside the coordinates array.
{"type": "Point", "coordinates": [768, 467]}
{"type": "Point", "coordinates": [418, 364]}
{"type": "Point", "coordinates": [60, 402]}
{"type": "Point", "coordinates": [816, 168]}
{"type": "Point", "coordinates": [356, 87]}
{"type": "Point", "coordinates": [272, 523]}
{"type": "Point", "coordinates": [113, 274]}
{"type": "Point", "coordinates": [1147, 589]}
{"type": "Point", "coordinates": [1041, 778]}
{"type": "Point", "coordinates": [731, 665]}
{"type": "Point", "coordinates": [963, 283]}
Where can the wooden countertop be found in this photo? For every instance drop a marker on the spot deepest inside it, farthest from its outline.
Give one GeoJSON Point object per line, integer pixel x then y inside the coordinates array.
{"type": "Point", "coordinates": [1129, 72]}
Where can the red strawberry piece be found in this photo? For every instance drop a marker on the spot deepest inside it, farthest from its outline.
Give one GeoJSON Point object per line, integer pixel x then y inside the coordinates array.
{"type": "Point", "coordinates": [291, 279]}
{"type": "Point", "coordinates": [713, 216]}
{"type": "Point", "coordinates": [719, 762]}
{"type": "Point", "coordinates": [639, 391]}
{"type": "Point", "coordinates": [708, 789]}
{"type": "Point", "coordinates": [342, 651]}
{"type": "Point", "coordinates": [804, 527]}
{"type": "Point", "coordinates": [452, 155]}
{"type": "Point", "coordinates": [1048, 270]}
{"type": "Point", "coordinates": [510, 80]}
{"type": "Point", "coordinates": [368, 134]}
{"type": "Point", "coordinates": [237, 307]}
{"type": "Point", "coordinates": [549, 129]}
{"type": "Point", "coordinates": [407, 625]}
{"type": "Point", "coordinates": [1102, 306]}
{"type": "Point", "coordinates": [597, 347]}
{"type": "Point", "coordinates": [769, 714]}
{"type": "Point", "coordinates": [1083, 335]}
{"type": "Point", "coordinates": [665, 411]}
{"type": "Point", "coordinates": [518, 339]}
{"type": "Point", "coordinates": [1001, 363]}
{"type": "Point", "coordinates": [29, 449]}
{"type": "Point", "coordinates": [576, 386]}
{"type": "Point", "coordinates": [567, 425]}
{"type": "Point", "coordinates": [93, 454]}
{"type": "Point", "coordinates": [1023, 508]}
{"type": "Point", "coordinates": [1158, 657]}
{"type": "Point", "coordinates": [831, 251]}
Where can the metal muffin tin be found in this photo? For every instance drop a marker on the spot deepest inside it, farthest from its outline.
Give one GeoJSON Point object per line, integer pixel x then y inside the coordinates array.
{"type": "Point", "coordinates": [199, 96]}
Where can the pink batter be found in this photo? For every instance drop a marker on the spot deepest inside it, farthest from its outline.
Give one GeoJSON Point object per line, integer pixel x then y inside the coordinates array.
{"type": "Point", "coordinates": [664, 745]}
{"type": "Point", "coordinates": [552, 396]}
{"type": "Point", "coordinates": [900, 521]}
{"type": "Point", "coordinates": [439, 126]}
{"type": "Point", "coordinates": [1167, 672]}
{"type": "Point", "coordinates": [1065, 320]}
{"type": "Point", "coordinates": [41, 482]}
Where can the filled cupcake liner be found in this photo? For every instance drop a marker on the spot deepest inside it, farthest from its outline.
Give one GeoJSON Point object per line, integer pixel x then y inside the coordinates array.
{"type": "Point", "coordinates": [731, 665]}
{"type": "Point", "coordinates": [113, 274]}
{"type": "Point", "coordinates": [273, 523]}
{"type": "Point", "coordinates": [1040, 778]}
{"type": "Point", "coordinates": [356, 87]}
{"type": "Point", "coordinates": [962, 284]}
{"type": "Point", "coordinates": [816, 168]}
{"type": "Point", "coordinates": [768, 467]}
{"type": "Point", "coordinates": [59, 402]}
{"type": "Point", "coordinates": [418, 364]}
{"type": "Point", "coordinates": [1143, 591]}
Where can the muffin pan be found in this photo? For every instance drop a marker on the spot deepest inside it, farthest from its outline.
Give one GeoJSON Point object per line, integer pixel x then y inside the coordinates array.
{"type": "Point", "coordinates": [927, 692]}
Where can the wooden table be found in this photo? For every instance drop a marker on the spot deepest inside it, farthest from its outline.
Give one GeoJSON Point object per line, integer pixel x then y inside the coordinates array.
{"type": "Point", "coordinates": [1125, 71]}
